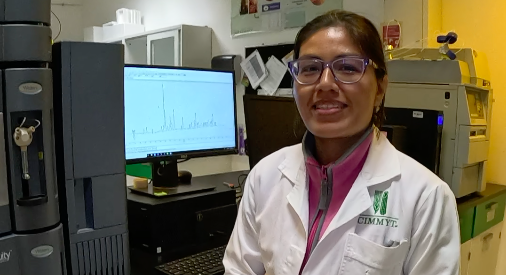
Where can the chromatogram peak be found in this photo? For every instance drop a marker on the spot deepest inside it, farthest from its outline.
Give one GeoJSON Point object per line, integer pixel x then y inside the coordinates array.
{"type": "Point", "coordinates": [170, 122]}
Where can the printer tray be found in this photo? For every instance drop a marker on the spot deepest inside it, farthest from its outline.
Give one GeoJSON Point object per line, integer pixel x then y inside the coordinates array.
{"type": "Point", "coordinates": [169, 192]}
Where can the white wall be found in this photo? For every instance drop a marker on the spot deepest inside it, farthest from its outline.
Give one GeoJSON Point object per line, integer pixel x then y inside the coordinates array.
{"type": "Point", "coordinates": [216, 15]}
{"type": "Point", "coordinates": [70, 14]}
{"type": "Point", "coordinates": [410, 14]}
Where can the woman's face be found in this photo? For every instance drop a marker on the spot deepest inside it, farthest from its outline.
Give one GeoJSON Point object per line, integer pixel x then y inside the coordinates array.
{"type": "Point", "coordinates": [329, 108]}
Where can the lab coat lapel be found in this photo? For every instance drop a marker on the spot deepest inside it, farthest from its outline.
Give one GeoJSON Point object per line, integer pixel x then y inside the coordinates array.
{"type": "Point", "coordinates": [294, 170]}
{"type": "Point", "coordinates": [356, 202]}
{"type": "Point", "coordinates": [382, 164]}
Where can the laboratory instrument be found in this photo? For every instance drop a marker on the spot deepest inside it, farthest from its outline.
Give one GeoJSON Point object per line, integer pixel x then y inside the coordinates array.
{"type": "Point", "coordinates": [460, 89]}
{"type": "Point", "coordinates": [31, 238]}
{"type": "Point", "coordinates": [90, 156]}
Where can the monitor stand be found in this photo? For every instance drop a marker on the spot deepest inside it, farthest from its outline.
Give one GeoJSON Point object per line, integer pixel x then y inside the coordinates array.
{"type": "Point", "coordinates": [165, 174]}
{"type": "Point", "coordinates": [165, 182]}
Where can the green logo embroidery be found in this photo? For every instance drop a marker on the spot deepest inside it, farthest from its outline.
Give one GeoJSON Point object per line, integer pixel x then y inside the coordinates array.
{"type": "Point", "coordinates": [380, 202]}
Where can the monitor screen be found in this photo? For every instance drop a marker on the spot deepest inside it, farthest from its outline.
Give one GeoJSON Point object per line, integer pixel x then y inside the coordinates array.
{"type": "Point", "coordinates": [178, 112]}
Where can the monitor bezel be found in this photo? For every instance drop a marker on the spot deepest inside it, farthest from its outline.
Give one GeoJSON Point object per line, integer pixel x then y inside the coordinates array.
{"type": "Point", "coordinates": [191, 154]}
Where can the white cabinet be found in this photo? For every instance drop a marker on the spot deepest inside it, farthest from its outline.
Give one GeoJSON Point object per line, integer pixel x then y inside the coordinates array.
{"type": "Point", "coordinates": [465, 256]}
{"type": "Point", "coordinates": [183, 45]}
{"type": "Point", "coordinates": [484, 252]}
{"type": "Point", "coordinates": [163, 48]}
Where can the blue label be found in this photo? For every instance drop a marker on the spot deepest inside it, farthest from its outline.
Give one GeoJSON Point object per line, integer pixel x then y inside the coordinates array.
{"type": "Point", "coordinates": [271, 7]}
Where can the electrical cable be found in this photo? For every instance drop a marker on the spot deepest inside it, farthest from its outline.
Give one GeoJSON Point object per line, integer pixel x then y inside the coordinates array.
{"type": "Point", "coordinates": [395, 52]}
{"type": "Point", "coordinates": [36, 120]}
{"type": "Point", "coordinates": [59, 25]}
{"type": "Point", "coordinates": [414, 54]}
{"type": "Point", "coordinates": [461, 48]}
{"type": "Point", "coordinates": [183, 160]}
{"type": "Point", "coordinates": [410, 44]}
{"type": "Point", "coordinates": [243, 181]}
{"type": "Point", "coordinates": [23, 122]}
{"type": "Point", "coordinates": [241, 186]}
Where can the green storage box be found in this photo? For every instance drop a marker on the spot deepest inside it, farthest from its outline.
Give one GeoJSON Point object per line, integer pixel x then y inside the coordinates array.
{"type": "Point", "coordinates": [466, 224]}
{"type": "Point", "coordinates": [142, 170]}
{"type": "Point", "coordinates": [488, 214]}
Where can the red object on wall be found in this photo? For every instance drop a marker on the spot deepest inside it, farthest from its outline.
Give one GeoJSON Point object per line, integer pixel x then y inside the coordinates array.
{"type": "Point", "coordinates": [253, 6]}
{"type": "Point", "coordinates": [392, 35]}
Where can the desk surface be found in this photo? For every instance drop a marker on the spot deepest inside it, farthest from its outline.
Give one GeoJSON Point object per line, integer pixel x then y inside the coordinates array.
{"type": "Point", "coordinates": [492, 191]}
{"type": "Point", "coordinates": [217, 179]}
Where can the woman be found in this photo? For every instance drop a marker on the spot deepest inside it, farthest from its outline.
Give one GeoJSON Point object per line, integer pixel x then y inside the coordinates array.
{"type": "Point", "coordinates": [345, 201]}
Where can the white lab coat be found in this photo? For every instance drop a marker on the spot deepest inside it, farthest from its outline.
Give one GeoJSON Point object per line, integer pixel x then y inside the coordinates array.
{"type": "Point", "coordinates": [412, 230]}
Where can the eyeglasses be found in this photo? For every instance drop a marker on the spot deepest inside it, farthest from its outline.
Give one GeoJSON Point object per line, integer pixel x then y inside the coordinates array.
{"type": "Point", "coordinates": [347, 70]}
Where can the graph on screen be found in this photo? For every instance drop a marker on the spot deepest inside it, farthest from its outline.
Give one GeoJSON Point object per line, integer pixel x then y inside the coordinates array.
{"type": "Point", "coordinates": [170, 123]}
{"type": "Point", "coordinates": [177, 116]}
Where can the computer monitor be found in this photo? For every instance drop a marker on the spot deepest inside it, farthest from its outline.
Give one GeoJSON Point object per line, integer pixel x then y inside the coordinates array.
{"type": "Point", "coordinates": [271, 124]}
{"type": "Point", "coordinates": [176, 113]}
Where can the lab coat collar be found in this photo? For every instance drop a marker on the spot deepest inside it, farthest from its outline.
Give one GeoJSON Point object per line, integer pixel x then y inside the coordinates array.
{"type": "Point", "coordinates": [382, 164]}
{"type": "Point", "coordinates": [293, 167]}
{"type": "Point", "coordinates": [309, 148]}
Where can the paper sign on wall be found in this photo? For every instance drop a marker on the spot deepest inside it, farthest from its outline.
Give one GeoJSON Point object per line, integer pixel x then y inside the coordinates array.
{"type": "Point", "coordinates": [287, 58]}
{"type": "Point", "coordinates": [277, 71]}
{"type": "Point", "coordinates": [254, 69]}
{"type": "Point", "coordinates": [252, 16]}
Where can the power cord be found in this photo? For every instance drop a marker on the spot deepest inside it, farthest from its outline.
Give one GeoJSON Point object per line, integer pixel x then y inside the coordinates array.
{"type": "Point", "coordinates": [59, 24]}
{"type": "Point", "coordinates": [241, 180]}
{"type": "Point", "coordinates": [183, 160]}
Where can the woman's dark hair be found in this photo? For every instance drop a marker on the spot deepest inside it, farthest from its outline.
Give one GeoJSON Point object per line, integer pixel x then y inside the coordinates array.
{"type": "Point", "coordinates": [362, 32]}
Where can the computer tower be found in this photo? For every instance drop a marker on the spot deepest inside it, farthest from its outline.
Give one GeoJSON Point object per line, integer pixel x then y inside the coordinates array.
{"type": "Point", "coordinates": [183, 223]}
{"type": "Point", "coordinates": [90, 154]}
